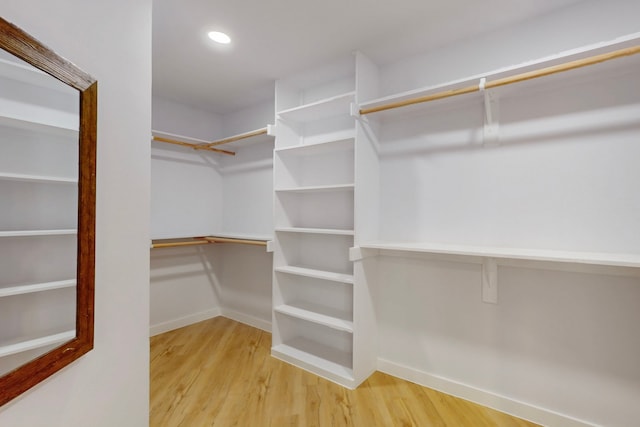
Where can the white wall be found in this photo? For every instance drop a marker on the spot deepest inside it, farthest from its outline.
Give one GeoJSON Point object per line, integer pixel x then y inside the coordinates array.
{"type": "Point", "coordinates": [108, 386]}
{"type": "Point", "coordinates": [562, 341]}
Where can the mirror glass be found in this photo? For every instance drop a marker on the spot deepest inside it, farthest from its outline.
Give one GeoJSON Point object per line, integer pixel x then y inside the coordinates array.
{"type": "Point", "coordinates": [47, 211]}
{"type": "Point", "coordinates": [39, 124]}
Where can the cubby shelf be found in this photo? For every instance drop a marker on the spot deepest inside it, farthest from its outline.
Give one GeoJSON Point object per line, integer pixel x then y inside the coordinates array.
{"type": "Point", "coordinates": [594, 258]}
{"type": "Point", "coordinates": [35, 287]}
{"type": "Point", "coordinates": [325, 108]}
{"type": "Point", "coordinates": [317, 189]}
{"type": "Point", "coordinates": [318, 148]}
{"type": "Point", "coordinates": [34, 233]}
{"type": "Point", "coordinates": [316, 274]}
{"type": "Point", "coordinates": [315, 358]}
{"type": "Point", "coordinates": [33, 343]}
{"type": "Point", "coordinates": [333, 231]}
{"type": "Point", "coordinates": [36, 178]}
{"type": "Point", "coordinates": [317, 314]}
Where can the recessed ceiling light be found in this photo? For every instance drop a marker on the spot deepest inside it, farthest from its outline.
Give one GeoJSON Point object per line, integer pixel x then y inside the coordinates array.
{"type": "Point", "coordinates": [219, 37]}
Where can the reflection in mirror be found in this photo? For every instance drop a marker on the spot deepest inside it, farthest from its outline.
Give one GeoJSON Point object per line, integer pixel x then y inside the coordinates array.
{"type": "Point", "coordinates": [47, 211]}
{"type": "Point", "coordinates": [39, 123]}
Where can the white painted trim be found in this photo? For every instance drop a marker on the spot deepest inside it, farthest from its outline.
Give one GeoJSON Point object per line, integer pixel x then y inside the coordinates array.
{"type": "Point", "coordinates": [247, 319]}
{"type": "Point", "coordinates": [180, 322]}
{"type": "Point", "coordinates": [522, 410]}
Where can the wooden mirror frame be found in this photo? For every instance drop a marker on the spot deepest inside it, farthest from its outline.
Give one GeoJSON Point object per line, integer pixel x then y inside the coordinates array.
{"type": "Point", "coordinates": [25, 47]}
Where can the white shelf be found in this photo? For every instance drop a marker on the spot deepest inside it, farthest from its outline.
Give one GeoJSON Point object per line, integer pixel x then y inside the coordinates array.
{"type": "Point", "coordinates": [27, 74]}
{"type": "Point", "coordinates": [575, 54]}
{"type": "Point", "coordinates": [36, 287]}
{"type": "Point", "coordinates": [31, 344]}
{"type": "Point", "coordinates": [317, 314]}
{"type": "Point", "coordinates": [332, 231]}
{"type": "Point", "coordinates": [36, 178]}
{"type": "Point", "coordinates": [329, 107]}
{"type": "Point", "coordinates": [228, 235]}
{"type": "Point", "coordinates": [331, 146]}
{"type": "Point", "coordinates": [316, 358]}
{"type": "Point", "coordinates": [32, 233]}
{"type": "Point", "coordinates": [46, 128]}
{"type": "Point", "coordinates": [316, 274]}
{"type": "Point", "coordinates": [594, 258]}
{"type": "Point", "coordinates": [317, 189]}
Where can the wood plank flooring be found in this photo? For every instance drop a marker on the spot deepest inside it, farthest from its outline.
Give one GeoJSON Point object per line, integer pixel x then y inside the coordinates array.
{"type": "Point", "coordinates": [220, 373]}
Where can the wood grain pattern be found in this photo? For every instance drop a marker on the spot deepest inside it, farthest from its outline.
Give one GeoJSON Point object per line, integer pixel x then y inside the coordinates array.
{"type": "Point", "coordinates": [220, 373]}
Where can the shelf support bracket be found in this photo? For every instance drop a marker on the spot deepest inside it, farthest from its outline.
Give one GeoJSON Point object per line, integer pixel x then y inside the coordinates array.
{"type": "Point", "coordinates": [491, 130]}
{"type": "Point", "coordinates": [489, 280]}
{"type": "Point", "coordinates": [354, 110]}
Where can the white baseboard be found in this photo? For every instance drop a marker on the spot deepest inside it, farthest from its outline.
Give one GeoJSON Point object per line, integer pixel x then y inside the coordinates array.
{"type": "Point", "coordinates": [500, 403]}
{"type": "Point", "coordinates": [247, 319]}
{"type": "Point", "coordinates": [183, 321]}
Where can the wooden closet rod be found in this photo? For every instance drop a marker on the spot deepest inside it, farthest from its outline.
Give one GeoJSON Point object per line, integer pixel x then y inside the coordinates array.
{"type": "Point", "coordinates": [237, 137]}
{"type": "Point", "coordinates": [572, 65]}
{"type": "Point", "coordinates": [207, 240]}
{"type": "Point", "coordinates": [190, 145]}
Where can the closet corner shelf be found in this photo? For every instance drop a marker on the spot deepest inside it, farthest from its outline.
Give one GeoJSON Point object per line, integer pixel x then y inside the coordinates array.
{"type": "Point", "coordinates": [333, 231]}
{"type": "Point", "coordinates": [32, 76]}
{"type": "Point", "coordinates": [34, 343]}
{"type": "Point", "coordinates": [323, 109]}
{"type": "Point", "coordinates": [246, 138]}
{"type": "Point", "coordinates": [168, 242]}
{"type": "Point", "coordinates": [593, 258]}
{"type": "Point", "coordinates": [35, 287]}
{"type": "Point", "coordinates": [330, 146]}
{"type": "Point", "coordinates": [36, 178]}
{"type": "Point", "coordinates": [317, 189]}
{"type": "Point", "coordinates": [305, 353]}
{"type": "Point", "coordinates": [316, 274]}
{"type": "Point", "coordinates": [34, 233]}
{"type": "Point", "coordinates": [316, 314]}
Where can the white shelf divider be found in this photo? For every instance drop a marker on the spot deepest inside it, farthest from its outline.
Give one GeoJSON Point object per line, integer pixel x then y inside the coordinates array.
{"type": "Point", "coordinates": [317, 189]}
{"type": "Point", "coordinates": [325, 108]}
{"type": "Point", "coordinates": [36, 178]}
{"type": "Point", "coordinates": [332, 231]}
{"type": "Point", "coordinates": [36, 287]}
{"type": "Point", "coordinates": [329, 146]}
{"type": "Point", "coordinates": [32, 344]}
{"type": "Point", "coordinates": [34, 233]}
{"type": "Point", "coordinates": [316, 274]}
{"type": "Point", "coordinates": [593, 258]}
{"type": "Point", "coordinates": [316, 314]}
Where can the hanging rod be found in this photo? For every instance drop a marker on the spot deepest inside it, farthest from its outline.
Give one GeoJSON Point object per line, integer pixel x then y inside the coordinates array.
{"type": "Point", "coordinates": [239, 137]}
{"type": "Point", "coordinates": [572, 65]}
{"type": "Point", "coordinates": [194, 146]}
{"type": "Point", "coordinates": [156, 244]}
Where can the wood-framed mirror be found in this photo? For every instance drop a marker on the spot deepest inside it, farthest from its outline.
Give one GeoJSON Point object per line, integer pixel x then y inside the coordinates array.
{"type": "Point", "coordinates": [48, 116]}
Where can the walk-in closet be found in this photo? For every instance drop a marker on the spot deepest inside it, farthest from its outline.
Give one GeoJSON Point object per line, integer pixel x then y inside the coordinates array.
{"type": "Point", "coordinates": [347, 214]}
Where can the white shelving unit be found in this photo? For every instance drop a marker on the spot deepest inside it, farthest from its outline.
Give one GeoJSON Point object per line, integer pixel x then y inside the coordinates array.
{"type": "Point", "coordinates": [313, 298]}
{"type": "Point", "coordinates": [39, 123]}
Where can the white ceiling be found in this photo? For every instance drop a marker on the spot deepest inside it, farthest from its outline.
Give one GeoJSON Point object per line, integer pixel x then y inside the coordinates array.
{"type": "Point", "coordinates": [276, 38]}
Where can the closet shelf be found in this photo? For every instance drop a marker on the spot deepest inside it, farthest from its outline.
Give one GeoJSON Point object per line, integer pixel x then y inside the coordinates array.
{"type": "Point", "coordinates": [333, 231]}
{"type": "Point", "coordinates": [323, 109]}
{"type": "Point", "coordinates": [470, 86]}
{"type": "Point", "coordinates": [247, 138]}
{"type": "Point", "coordinates": [317, 314]}
{"type": "Point", "coordinates": [331, 146]}
{"type": "Point", "coordinates": [35, 287]}
{"type": "Point", "coordinates": [316, 274]}
{"type": "Point", "coordinates": [205, 240]}
{"type": "Point", "coordinates": [45, 128]}
{"type": "Point", "coordinates": [33, 233]}
{"type": "Point", "coordinates": [36, 178]}
{"type": "Point", "coordinates": [594, 258]}
{"type": "Point", "coordinates": [34, 343]}
{"type": "Point", "coordinates": [317, 189]}
{"type": "Point", "coordinates": [316, 358]}
{"type": "Point", "coordinates": [185, 141]}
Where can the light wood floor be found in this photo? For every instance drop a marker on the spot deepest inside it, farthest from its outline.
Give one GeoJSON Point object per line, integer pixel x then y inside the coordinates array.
{"type": "Point", "coordinates": [220, 373]}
